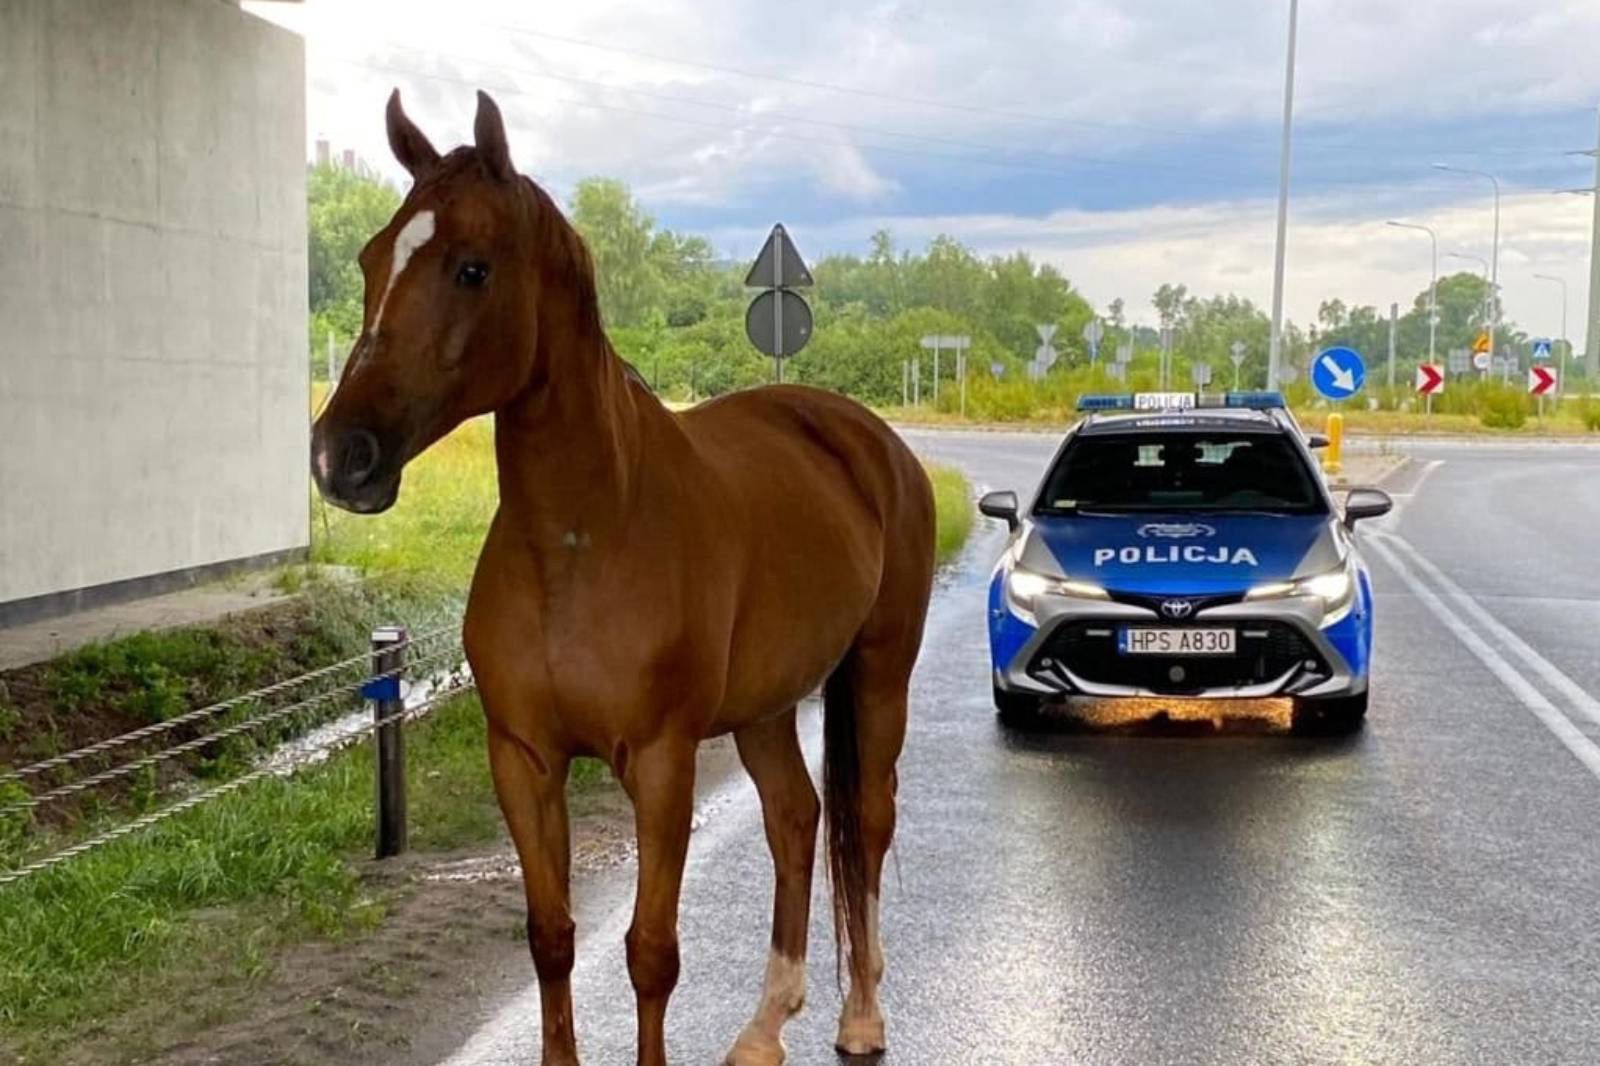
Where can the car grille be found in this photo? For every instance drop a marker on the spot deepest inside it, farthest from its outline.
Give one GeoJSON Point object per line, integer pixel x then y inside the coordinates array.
{"type": "Point", "coordinates": [1266, 651]}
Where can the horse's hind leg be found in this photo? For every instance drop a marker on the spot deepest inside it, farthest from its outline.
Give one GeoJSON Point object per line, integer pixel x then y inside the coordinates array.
{"type": "Point", "coordinates": [532, 791]}
{"type": "Point", "coordinates": [771, 753]}
{"type": "Point", "coordinates": [884, 654]}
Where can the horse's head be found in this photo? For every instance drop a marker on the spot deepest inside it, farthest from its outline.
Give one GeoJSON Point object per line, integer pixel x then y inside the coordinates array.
{"type": "Point", "coordinates": [450, 319]}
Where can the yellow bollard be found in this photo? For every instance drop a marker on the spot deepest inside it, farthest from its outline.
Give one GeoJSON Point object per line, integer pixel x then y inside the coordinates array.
{"type": "Point", "coordinates": [1331, 461]}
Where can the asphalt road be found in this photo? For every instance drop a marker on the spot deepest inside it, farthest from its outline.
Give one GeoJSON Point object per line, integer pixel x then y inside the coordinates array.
{"type": "Point", "coordinates": [1427, 892]}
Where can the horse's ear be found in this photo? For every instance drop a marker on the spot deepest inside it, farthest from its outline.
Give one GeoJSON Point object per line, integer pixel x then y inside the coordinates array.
{"type": "Point", "coordinates": [409, 144]}
{"type": "Point", "coordinates": [489, 133]}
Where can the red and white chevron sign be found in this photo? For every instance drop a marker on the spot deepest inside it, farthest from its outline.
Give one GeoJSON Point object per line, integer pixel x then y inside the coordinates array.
{"type": "Point", "coordinates": [1541, 380]}
{"type": "Point", "coordinates": [1430, 378]}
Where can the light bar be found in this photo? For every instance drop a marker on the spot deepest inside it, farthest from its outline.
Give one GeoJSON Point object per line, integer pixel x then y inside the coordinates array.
{"type": "Point", "coordinates": [1258, 401]}
{"type": "Point", "coordinates": [1105, 402]}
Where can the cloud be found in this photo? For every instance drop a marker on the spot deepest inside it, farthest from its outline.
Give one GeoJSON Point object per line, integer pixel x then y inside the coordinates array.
{"type": "Point", "coordinates": [1129, 141]}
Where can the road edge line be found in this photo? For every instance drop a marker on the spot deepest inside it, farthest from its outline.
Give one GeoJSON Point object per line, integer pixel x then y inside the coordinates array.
{"type": "Point", "coordinates": [1575, 693]}
{"type": "Point", "coordinates": [1562, 727]}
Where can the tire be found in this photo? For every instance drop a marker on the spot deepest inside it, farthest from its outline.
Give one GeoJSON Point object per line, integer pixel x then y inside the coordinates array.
{"type": "Point", "coordinates": [1017, 710]}
{"type": "Point", "coordinates": [1339, 716]}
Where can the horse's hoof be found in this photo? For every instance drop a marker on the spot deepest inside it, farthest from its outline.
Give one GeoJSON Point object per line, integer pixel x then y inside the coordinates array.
{"type": "Point", "coordinates": [861, 1036]}
{"type": "Point", "coordinates": [751, 1050]}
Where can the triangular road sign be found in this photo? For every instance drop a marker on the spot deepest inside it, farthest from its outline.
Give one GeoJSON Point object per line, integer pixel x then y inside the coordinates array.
{"type": "Point", "coordinates": [778, 251]}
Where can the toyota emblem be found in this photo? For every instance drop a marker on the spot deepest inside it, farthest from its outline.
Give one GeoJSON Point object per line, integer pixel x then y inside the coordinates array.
{"type": "Point", "coordinates": [1177, 610]}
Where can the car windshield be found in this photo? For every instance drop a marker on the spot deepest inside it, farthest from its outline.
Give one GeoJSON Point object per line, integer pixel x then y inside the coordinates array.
{"type": "Point", "coordinates": [1212, 472]}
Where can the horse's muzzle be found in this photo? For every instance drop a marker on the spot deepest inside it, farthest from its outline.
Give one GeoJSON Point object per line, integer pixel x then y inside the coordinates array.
{"type": "Point", "coordinates": [352, 471]}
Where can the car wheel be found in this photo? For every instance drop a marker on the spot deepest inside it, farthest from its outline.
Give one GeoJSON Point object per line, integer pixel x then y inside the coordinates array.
{"type": "Point", "coordinates": [1017, 710]}
{"type": "Point", "coordinates": [1338, 716]}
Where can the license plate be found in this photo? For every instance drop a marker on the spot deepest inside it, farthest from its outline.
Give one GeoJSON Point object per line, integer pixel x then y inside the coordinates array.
{"type": "Point", "coordinates": [1149, 640]}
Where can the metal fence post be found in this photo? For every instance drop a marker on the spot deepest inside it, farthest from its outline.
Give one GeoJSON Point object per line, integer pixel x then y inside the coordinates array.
{"type": "Point", "coordinates": [388, 710]}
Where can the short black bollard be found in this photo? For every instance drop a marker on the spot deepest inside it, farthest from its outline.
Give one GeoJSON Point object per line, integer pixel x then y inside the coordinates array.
{"type": "Point", "coordinates": [388, 712]}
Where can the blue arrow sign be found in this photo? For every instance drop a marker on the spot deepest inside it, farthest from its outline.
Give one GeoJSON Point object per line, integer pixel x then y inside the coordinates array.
{"type": "Point", "coordinates": [1338, 373]}
{"type": "Point", "coordinates": [1541, 349]}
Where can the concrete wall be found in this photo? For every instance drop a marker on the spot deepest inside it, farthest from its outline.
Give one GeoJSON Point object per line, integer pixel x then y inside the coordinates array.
{"type": "Point", "coordinates": [153, 379]}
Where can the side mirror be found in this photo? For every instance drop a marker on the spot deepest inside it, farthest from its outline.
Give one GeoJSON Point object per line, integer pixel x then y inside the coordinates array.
{"type": "Point", "coordinates": [1316, 440]}
{"type": "Point", "coordinates": [1002, 505]}
{"type": "Point", "coordinates": [1365, 503]}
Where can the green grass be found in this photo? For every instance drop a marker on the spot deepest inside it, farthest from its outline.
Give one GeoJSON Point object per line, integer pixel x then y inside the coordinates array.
{"type": "Point", "coordinates": [952, 499]}
{"type": "Point", "coordinates": [437, 526]}
{"type": "Point", "coordinates": [94, 935]}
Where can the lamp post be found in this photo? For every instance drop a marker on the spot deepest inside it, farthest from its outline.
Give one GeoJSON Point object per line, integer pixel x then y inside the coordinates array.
{"type": "Point", "coordinates": [1494, 275]}
{"type": "Point", "coordinates": [1275, 341]}
{"type": "Point", "coordinates": [1484, 263]}
{"type": "Point", "coordinates": [1433, 284]}
{"type": "Point", "coordinates": [1566, 345]}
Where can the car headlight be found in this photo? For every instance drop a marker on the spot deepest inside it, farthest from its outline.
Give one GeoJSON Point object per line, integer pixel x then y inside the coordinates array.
{"type": "Point", "coordinates": [1026, 586]}
{"type": "Point", "coordinates": [1335, 589]}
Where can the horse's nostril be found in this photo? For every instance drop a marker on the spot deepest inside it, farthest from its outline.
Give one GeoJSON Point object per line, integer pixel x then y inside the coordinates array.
{"type": "Point", "coordinates": [359, 457]}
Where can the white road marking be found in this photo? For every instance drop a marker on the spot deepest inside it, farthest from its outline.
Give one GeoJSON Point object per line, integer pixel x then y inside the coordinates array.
{"type": "Point", "coordinates": [1574, 692]}
{"type": "Point", "coordinates": [1535, 701]}
{"type": "Point", "coordinates": [417, 231]}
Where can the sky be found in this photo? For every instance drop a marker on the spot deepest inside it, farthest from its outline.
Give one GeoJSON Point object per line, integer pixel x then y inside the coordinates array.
{"type": "Point", "coordinates": [1128, 142]}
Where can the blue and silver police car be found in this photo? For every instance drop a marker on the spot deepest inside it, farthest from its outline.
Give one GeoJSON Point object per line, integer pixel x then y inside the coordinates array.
{"type": "Point", "coordinates": [1184, 547]}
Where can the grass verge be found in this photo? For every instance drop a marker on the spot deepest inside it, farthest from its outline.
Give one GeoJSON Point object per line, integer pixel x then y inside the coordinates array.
{"type": "Point", "coordinates": [269, 864]}
{"type": "Point", "coordinates": [952, 500]}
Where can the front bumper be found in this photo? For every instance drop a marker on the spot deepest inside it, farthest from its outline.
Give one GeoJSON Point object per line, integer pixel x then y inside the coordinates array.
{"type": "Point", "coordinates": [1285, 649]}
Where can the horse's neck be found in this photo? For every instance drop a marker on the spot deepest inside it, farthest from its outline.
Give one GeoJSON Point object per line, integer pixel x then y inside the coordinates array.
{"type": "Point", "coordinates": [571, 449]}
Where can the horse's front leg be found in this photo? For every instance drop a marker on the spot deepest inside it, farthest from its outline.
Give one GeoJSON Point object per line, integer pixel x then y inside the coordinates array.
{"type": "Point", "coordinates": [660, 780]}
{"type": "Point", "coordinates": [531, 785]}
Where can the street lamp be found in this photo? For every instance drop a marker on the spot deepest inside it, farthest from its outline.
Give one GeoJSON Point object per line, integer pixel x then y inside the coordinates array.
{"type": "Point", "coordinates": [1275, 341]}
{"type": "Point", "coordinates": [1433, 285]}
{"type": "Point", "coordinates": [1566, 345]}
{"type": "Point", "coordinates": [1494, 279]}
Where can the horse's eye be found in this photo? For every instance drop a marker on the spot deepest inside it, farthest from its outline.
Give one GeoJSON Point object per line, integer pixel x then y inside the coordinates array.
{"type": "Point", "coordinates": [472, 273]}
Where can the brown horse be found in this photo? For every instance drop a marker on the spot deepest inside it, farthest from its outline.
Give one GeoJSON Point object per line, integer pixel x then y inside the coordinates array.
{"type": "Point", "coordinates": [650, 579]}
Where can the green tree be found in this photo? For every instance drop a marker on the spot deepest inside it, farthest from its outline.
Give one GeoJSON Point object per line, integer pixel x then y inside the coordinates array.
{"type": "Point", "coordinates": [344, 209]}
{"type": "Point", "coordinates": [622, 243]}
{"type": "Point", "coordinates": [1169, 301]}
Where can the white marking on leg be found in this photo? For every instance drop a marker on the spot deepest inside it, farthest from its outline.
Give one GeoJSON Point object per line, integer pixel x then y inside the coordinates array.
{"type": "Point", "coordinates": [417, 231]}
{"type": "Point", "coordinates": [874, 942]}
{"type": "Point", "coordinates": [861, 1020]}
{"type": "Point", "coordinates": [782, 993]}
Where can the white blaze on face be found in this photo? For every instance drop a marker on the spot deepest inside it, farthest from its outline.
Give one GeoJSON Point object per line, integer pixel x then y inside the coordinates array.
{"type": "Point", "coordinates": [417, 231]}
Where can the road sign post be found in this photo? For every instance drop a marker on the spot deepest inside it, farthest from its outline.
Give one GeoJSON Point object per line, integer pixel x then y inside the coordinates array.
{"type": "Point", "coordinates": [1044, 356]}
{"type": "Point", "coordinates": [778, 321]}
{"type": "Point", "coordinates": [1430, 380]}
{"type": "Point", "coordinates": [1541, 382]}
{"type": "Point", "coordinates": [1237, 352]}
{"type": "Point", "coordinates": [1092, 333]}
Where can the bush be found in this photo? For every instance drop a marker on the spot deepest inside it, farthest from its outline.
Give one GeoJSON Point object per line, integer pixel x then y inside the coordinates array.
{"type": "Point", "coordinates": [1503, 408]}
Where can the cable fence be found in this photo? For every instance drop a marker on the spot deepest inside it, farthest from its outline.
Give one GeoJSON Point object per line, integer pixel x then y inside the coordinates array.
{"type": "Point", "coordinates": [403, 678]}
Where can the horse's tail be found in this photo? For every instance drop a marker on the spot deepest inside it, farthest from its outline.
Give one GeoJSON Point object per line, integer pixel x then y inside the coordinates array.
{"type": "Point", "coordinates": [841, 788]}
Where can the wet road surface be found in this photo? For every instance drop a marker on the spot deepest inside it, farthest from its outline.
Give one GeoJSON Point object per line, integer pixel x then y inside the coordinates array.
{"type": "Point", "coordinates": [1426, 892]}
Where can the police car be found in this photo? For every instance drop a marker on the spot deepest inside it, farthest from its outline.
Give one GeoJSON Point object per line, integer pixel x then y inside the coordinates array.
{"type": "Point", "coordinates": [1184, 546]}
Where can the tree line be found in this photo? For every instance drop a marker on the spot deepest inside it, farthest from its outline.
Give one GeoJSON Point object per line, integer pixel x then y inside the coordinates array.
{"type": "Point", "coordinates": [676, 311]}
